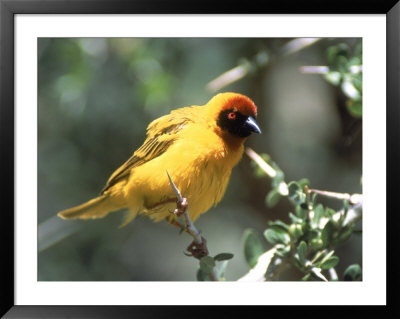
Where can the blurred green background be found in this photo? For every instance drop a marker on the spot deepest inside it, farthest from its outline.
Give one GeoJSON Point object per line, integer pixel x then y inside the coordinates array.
{"type": "Point", "coordinates": [96, 97]}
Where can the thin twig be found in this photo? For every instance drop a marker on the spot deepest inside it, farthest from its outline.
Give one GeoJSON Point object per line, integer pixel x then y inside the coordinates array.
{"type": "Point", "coordinates": [297, 45]}
{"type": "Point", "coordinates": [228, 77]}
{"type": "Point", "coordinates": [314, 69]}
{"type": "Point", "coordinates": [198, 248]}
{"type": "Point", "coordinates": [190, 228]}
{"type": "Point", "coordinates": [260, 60]}
{"type": "Point", "coordinates": [324, 69]}
{"type": "Point", "coordinates": [353, 199]}
{"type": "Point", "coordinates": [269, 170]}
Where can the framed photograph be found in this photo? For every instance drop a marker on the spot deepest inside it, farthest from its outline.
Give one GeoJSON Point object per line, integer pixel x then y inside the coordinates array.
{"type": "Point", "coordinates": [166, 155]}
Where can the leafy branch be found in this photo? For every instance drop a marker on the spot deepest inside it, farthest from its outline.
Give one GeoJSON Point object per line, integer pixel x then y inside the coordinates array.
{"type": "Point", "coordinates": [307, 243]}
{"type": "Point", "coordinates": [343, 69]}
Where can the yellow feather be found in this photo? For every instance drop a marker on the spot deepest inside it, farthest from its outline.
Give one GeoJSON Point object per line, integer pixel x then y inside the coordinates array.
{"type": "Point", "coordinates": [191, 147]}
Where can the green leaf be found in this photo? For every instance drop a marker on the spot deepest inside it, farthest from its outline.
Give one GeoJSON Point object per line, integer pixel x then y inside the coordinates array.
{"type": "Point", "coordinates": [253, 247]}
{"type": "Point", "coordinates": [346, 205]}
{"type": "Point", "coordinates": [341, 64]}
{"type": "Point", "coordinates": [306, 277]}
{"type": "Point", "coordinates": [223, 256]}
{"type": "Point", "coordinates": [296, 231]}
{"type": "Point", "coordinates": [272, 198]}
{"type": "Point", "coordinates": [326, 234]}
{"type": "Point", "coordinates": [303, 183]}
{"type": "Point", "coordinates": [310, 235]}
{"type": "Point", "coordinates": [293, 188]}
{"type": "Point", "coordinates": [279, 177]}
{"type": "Point", "coordinates": [328, 255]}
{"type": "Point", "coordinates": [318, 213]}
{"type": "Point", "coordinates": [302, 251]}
{"type": "Point", "coordinates": [282, 250]}
{"type": "Point", "coordinates": [207, 264]}
{"type": "Point", "coordinates": [301, 212]}
{"type": "Point", "coordinates": [278, 223]}
{"type": "Point", "coordinates": [352, 273]}
{"type": "Point", "coordinates": [345, 233]}
{"type": "Point", "coordinates": [329, 212]}
{"type": "Point", "coordinates": [330, 262]}
{"type": "Point", "coordinates": [355, 108]}
{"type": "Point", "coordinates": [317, 256]}
{"type": "Point", "coordinates": [350, 90]}
{"type": "Point", "coordinates": [276, 235]}
{"type": "Point", "coordinates": [313, 199]}
{"type": "Point", "coordinates": [316, 243]}
{"type": "Point", "coordinates": [356, 79]}
{"type": "Point", "coordinates": [355, 60]}
{"type": "Point", "coordinates": [295, 219]}
{"type": "Point", "coordinates": [335, 52]}
{"type": "Point", "coordinates": [298, 264]}
{"type": "Point", "coordinates": [333, 77]}
{"type": "Point", "coordinates": [304, 205]}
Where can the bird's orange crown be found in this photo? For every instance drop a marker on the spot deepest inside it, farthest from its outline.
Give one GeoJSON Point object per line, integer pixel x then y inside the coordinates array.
{"type": "Point", "coordinates": [235, 101]}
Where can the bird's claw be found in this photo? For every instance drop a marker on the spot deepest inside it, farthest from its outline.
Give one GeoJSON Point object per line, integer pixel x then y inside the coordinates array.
{"type": "Point", "coordinates": [197, 250]}
{"type": "Point", "coordinates": [181, 207]}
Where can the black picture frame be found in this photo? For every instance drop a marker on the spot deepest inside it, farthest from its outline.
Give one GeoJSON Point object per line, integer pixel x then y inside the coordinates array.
{"type": "Point", "coordinates": [8, 10]}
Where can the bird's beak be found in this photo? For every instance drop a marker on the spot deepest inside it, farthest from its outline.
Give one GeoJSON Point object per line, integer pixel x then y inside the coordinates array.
{"type": "Point", "coordinates": [252, 125]}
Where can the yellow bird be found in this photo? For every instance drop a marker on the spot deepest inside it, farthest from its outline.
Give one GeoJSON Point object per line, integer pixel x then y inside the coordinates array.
{"type": "Point", "coordinates": [197, 145]}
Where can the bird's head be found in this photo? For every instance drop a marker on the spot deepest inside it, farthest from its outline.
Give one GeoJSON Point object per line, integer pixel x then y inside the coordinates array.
{"type": "Point", "coordinates": [234, 115]}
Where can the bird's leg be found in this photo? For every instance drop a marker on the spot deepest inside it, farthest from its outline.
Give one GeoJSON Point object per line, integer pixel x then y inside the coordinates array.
{"type": "Point", "coordinates": [181, 206]}
{"type": "Point", "coordinates": [176, 223]}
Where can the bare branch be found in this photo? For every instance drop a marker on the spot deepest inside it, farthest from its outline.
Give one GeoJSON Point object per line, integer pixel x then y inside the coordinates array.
{"type": "Point", "coordinates": [182, 209]}
{"type": "Point", "coordinates": [176, 190]}
{"type": "Point", "coordinates": [314, 69]}
{"type": "Point", "coordinates": [198, 248]}
{"type": "Point", "coordinates": [324, 69]}
{"type": "Point", "coordinates": [228, 77]}
{"type": "Point", "coordinates": [269, 170]}
{"type": "Point", "coordinates": [297, 45]}
{"type": "Point", "coordinates": [261, 59]}
{"type": "Point", "coordinates": [353, 199]}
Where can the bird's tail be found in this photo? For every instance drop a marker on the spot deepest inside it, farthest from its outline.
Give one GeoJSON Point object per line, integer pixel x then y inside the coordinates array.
{"type": "Point", "coordinates": [95, 208]}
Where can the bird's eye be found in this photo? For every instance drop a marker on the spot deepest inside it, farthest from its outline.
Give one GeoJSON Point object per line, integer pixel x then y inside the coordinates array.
{"type": "Point", "coordinates": [232, 116]}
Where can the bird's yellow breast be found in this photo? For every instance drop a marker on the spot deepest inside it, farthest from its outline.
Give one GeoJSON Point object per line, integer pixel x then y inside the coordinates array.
{"type": "Point", "coordinates": [199, 164]}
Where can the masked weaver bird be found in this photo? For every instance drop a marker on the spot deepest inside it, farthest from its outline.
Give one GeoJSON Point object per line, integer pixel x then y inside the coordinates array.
{"type": "Point", "coordinates": [196, 145]}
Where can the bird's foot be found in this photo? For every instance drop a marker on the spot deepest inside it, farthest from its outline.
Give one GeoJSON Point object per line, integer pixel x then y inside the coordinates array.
{"type": "Point", "coordinates": [181, 207]}
{"type": "Point", "coordinates": [197, 250]}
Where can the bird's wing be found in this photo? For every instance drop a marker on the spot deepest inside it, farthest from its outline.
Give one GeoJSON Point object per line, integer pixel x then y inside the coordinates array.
{"type": "Point", "coordinates": [161, 134]}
